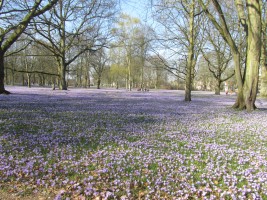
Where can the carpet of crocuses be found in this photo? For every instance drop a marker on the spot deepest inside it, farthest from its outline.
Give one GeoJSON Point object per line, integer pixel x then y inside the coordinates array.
{"type": "Point", "coordinates": [116, 144]}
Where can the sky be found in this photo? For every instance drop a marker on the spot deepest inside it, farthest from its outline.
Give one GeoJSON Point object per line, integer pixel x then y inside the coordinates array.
{"type": "Point", "coordinates": [136, 8]}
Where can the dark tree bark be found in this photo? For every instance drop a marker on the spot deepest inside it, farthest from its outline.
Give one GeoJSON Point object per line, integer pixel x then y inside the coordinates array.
{"type": "Point", "coordinates": [2, 75]}
{"type": "Point", "coordinates": [98, 82]}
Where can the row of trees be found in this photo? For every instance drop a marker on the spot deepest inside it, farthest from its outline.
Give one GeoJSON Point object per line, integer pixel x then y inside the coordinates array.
{"type": "Point", "coordinates": [125, 64]}
{"type": "Point", "coordinates": [59, 39]}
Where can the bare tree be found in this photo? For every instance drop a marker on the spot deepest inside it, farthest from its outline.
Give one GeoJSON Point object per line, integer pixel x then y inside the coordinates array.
{"type": "Point", "coordinates": [157, 68]}
{"type": "Point", "coordinates": [99, 64]}
{"type": "Point", "coordinates": [127, 33]}
{"type": "Point", "coordinates": [15, 16]}
{"type": "Point", "coordinates": [181, 36]}
{"type": "Point", "coordinates": [72, 28]}
{"type": "Point", "coordinates": [249, 15]}
{"type": "Point", "coordinates": [218, 57]}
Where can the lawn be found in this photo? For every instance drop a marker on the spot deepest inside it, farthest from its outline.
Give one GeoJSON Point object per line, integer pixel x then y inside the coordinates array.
{"type": "Point", "coordinates": [115, 144]}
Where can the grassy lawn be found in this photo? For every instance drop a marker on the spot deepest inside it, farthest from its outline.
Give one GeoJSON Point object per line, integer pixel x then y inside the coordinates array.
{"type": "Point", "coordinates": [115, 144]}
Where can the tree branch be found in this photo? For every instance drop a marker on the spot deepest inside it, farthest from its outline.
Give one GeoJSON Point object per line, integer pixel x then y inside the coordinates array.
{"type": "Point", "coordinates": [32, 72]}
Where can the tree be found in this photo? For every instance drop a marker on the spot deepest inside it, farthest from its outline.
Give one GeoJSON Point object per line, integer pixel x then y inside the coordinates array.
{"type": "Point", "coordinates": [72, 28]}
{"type": "Point", "coordinates": [218, 58]}
{"type": "Point", "coordinates": [99, 64]}
{"type": "Point", "coordinates": [249, 15]}
{"type": "Point", "coordinates": [117, 74]}
{"type": "Point", "coordinates": [181, 22]}
{"type": "Point", "coordinates": [15, 17]}
{"type": "Point", "coordinates": [204, 79]}
{"type": "Point", "coordinates": [263, 88]}
{"type": "Point", "coordinates": [128, 34]}
{"type": "Point", "coordinates": [157, 68]}
{"type": "Point", "coordinates": [30, 59]}
{"type": "Point", "coordinates": [82, 70]}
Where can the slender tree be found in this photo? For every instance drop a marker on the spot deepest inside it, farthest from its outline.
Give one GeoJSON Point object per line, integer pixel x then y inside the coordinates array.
{"type": "Point", "coordinates": [181, 24]}
{"type": "Point", "coordinates": [99, 64]}
{"type": "Point", "coordinates": [129, 40]}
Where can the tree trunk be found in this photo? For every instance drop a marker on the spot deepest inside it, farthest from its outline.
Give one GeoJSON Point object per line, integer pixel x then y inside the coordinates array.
{"type": "Point", "coordinates": [98, 82]}
{"type": "Point", "coordinates": [80, 77]}
{"type": "Point", "coordinates": [253, 54]}
{"type": "Point", "coordinates": [263, 88]}
{"type": "Point", "coordinates": [62, 76]}
{"type": "Point", "coordinates": [6, 77]}
{"type": "Point", "coordinates": [23, 80]}
{"type": "Point", "coordinates": [2, 75]}
{"type": "Point", "coordinates": [240, 102]}
{"type": "Point", "coordinates": [218, 87]}
{"type": "Point", "coordinates": [53, 79]}
{"type": "Point", "coordinates": [129, 73]}
{"type": "Point", "coordinates": [85, 81]}
{"type": "Point", "coordinates": [29, 80]}
{"type": "Point", "coordinates": [188, 81]}
{"type": "Point", "coordinates": [89, 81]}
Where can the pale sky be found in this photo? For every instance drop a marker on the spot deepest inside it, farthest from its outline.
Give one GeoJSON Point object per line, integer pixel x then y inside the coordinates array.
{"type": "Point", "coordinates": [136, 8]}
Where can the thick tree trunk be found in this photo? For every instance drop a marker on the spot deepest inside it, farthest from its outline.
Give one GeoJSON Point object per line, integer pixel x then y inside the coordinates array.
{"type": "Point", "coordinates": [2, 75]}
{"type": "Point", "coordinates": [253, 54]}
{"type": "Point", "coordinates": [62, 76]}
{"type": "Point", "coordinates": [98, 82]}
{"type": "Point", "coordinates": [218, 87]}
{"type": "Point", "coordinates": [263, 88]}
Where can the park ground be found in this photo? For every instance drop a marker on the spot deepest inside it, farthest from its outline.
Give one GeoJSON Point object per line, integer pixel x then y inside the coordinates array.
{"type": "Point", "coordinates": [116, 144]}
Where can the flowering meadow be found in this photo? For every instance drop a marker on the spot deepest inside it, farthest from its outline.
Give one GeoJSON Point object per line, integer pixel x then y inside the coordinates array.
{"type": "Point", "coordinates": [116, 144]}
